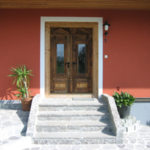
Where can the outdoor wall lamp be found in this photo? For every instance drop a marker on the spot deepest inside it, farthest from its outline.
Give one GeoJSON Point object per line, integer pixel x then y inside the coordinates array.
{"type": "Point", "coordinates": [106, 26]}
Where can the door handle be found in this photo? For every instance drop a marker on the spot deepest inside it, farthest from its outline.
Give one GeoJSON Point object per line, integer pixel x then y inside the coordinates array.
{"type": "Point", "coordinates": [68, 63]}
{"type": "Point", "coordinates": [73, 64]}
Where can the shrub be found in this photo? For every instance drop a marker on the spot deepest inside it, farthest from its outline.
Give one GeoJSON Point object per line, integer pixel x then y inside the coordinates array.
{"type": "Point", "coordinates": [124, 98]}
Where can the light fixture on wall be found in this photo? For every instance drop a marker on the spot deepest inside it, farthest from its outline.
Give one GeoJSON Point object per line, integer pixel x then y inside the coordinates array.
{"type": "Point", "coordinates": [106, 26]}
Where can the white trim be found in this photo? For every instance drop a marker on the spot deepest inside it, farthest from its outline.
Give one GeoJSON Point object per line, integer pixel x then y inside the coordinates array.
{"type": "Point", "coordinates": [99, 20]}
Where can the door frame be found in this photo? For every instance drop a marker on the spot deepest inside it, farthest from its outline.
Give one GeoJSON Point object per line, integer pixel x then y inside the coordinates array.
{"type": "Point", "coordinates": [43, 40]}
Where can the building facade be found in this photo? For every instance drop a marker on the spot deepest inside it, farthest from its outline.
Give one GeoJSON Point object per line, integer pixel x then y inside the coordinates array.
{"type": "Point", "coordinates": [118, 62]}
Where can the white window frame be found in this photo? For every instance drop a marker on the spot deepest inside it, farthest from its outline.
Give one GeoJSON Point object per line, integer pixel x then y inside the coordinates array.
{"type": "Point", "coordinates": [99, 20]}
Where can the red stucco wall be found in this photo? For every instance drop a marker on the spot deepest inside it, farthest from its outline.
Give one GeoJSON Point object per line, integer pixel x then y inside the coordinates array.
{"type": "Point", "coordinates": [127, 47]}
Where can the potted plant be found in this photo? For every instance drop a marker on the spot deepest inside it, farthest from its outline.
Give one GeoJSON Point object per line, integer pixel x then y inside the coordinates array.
{"type": "Point", "coordinates": [21, 79]}
{"type": "Point", "coordinates": [124, 100]}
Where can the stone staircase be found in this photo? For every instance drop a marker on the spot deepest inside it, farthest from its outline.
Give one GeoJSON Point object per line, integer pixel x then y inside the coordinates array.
{"type": "Point", "coordinates": [73, 121]}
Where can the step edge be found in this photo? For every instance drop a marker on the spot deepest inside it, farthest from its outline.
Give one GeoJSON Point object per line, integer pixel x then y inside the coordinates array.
{"type": "Point", "coordinates": [72, 135]}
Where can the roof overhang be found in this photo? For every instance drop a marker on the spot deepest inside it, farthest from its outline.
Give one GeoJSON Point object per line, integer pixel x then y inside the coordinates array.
{"type": "Point", "coordinates": [76, 4]}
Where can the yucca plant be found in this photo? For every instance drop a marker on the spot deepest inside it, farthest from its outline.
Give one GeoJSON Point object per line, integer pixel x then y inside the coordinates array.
{"type": "Point", "coordinates": [21, 79]}
{"type": "Point", "coordinates": [124, 98]}
{"type": "Point", "coordinates": [22, 93]}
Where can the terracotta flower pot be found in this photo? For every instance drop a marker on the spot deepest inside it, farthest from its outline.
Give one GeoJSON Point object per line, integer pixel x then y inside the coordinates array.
{"type": "Point", "coordinates": [26, 103]}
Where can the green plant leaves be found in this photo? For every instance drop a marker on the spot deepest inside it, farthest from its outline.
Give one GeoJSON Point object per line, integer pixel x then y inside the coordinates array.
{"type": "Point", "coordinates": [124, 98]}
{"type": "Point", "coordinates": [21, 79]}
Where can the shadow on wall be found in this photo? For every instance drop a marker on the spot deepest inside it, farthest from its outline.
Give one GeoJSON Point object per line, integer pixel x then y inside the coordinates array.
{"type": "Point", "coordinates": [148, 123]}
{"type": "Point", "coordinates": [8, 93]}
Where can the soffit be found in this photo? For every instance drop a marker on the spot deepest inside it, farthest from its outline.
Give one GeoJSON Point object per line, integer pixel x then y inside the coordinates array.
{"type": "Point", "coordinates": [77, 4]}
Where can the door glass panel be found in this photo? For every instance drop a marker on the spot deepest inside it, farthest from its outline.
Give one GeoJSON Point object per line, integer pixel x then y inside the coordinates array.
{"type": "Point", "coordinates": [60, 58]}
{"type": "Point", "coordinates": [81, 58]}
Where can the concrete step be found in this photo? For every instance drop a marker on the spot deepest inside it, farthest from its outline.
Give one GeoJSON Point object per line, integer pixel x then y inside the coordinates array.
{"type": "Point", "coordinates": [69, 100]}
{"type": "Point", "coordinates": [73, 126]}
{"type": "Point", "coordinates": [74, 138]}
{"type": "Point", "coordinates": [71, 105]}
{"type": "Point", "coordinates": [73, 115]}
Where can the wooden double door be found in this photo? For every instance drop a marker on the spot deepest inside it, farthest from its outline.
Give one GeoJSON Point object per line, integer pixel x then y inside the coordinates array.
{"type": "Point", "coordinates": [71, 60]}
